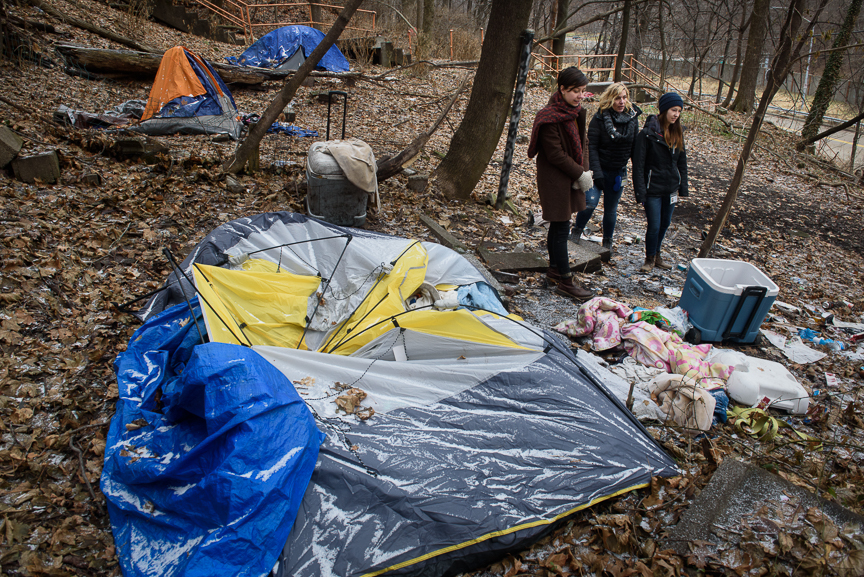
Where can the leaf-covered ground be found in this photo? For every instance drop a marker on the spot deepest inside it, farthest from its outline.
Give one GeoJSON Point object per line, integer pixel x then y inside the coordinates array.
{"type": "Point", "coordinates": [70, 250]}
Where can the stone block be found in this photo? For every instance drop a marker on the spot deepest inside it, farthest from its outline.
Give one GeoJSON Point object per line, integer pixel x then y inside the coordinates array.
{"type": "Point", "coordinates": [589, 246]}
{"type": "Point", "coordinates": [45, 167]}
{"type": "Point", "coordinates": [514, 261]}
{"type": "Point", "coordinates": [418, 182]}
{"type": "Point", "coordinates": [140, 147]}
{"type": "Point", "coordinates": [91, 179]}
{"type": "Point", "coordinates": [584, 259]}
{"type": "Point", "coordinates": [10, 146]}
{"type": "Point", "coordinates": [385, 55]}
{"type": "Point", "coordinates": [640, 95]}
{"type": "Point", "coordinates": [738, 492]}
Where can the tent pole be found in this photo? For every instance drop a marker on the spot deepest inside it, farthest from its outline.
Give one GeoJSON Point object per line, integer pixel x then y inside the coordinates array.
{"type": "Point", "coordinates": [178, 270]}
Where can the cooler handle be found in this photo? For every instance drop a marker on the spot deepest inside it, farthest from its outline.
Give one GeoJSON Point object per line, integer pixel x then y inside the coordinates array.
{"type": "Point", "coordinates": [751, 291]}
{"type": "Point", "coordinates": [344, 110]}
{"type": "Point", "coordinates": [695, 288]}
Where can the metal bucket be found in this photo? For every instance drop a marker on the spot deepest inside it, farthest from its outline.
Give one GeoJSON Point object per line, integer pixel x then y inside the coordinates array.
{"type": "Point", "coordinates": [331, 196]}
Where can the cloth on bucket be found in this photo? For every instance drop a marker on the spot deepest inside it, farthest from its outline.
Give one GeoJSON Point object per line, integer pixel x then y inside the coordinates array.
{"type": "Point", "coordinates": [600, 317]}
{"type": "Point", "coordinates": [357, 161]}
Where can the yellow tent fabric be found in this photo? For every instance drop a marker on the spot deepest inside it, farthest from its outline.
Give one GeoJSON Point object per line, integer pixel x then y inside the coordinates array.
{"type": "Point", "coordinates": [459, 324]}
{"type": "Point", "coordinates": [257, 306]}
{"type": "Point", "coordinates": [174, 78]}
{"type": "Point", "coordinates": [386, 299]}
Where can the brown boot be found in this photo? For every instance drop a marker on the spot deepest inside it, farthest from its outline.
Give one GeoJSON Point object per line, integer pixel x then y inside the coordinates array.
{"type": "Point", "coordinates": [553, 277]}
{"type": "Point", "coordinates": [570, 289]}
{"type": "Point", "coordinates": [659, 263]}
{"type": "Point", "coordinates": [648, 265]}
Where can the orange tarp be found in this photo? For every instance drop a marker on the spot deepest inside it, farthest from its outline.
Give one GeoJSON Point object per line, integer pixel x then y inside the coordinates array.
{"type": "Point", "coordinates": [175, 77]}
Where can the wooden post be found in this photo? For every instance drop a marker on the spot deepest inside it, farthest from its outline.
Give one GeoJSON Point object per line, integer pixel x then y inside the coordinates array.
{"type": "Point", "coordinates": [451, 44]}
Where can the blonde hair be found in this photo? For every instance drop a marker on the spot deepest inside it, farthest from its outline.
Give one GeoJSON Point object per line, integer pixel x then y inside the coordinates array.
{"type": "Point", "coordinates": [610, 94]}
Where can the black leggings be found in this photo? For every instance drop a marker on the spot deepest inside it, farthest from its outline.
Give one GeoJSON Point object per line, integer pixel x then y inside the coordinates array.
{"type": "Point", "coordinates": [556, 242]}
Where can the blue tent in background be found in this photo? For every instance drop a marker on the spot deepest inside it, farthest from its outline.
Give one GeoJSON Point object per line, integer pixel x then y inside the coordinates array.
{"type": "Point", "coordinates": [286, 48]}
{"type": "Point", "coordinates": [188, 97]}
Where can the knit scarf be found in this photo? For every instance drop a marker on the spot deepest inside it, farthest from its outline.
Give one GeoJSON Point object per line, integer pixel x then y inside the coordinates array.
{"type": "Point", "coordinates": [611, 116]}
{"type": "Point", "coordinates": [554, 112]}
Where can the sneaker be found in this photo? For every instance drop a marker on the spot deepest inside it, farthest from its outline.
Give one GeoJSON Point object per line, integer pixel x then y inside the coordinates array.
{"type": "Point", "coordinates": [648, 265]}
{"type": "Point", "coordinates": [569, 289]}
{"type": "Point", "coordinates": [659, 263]}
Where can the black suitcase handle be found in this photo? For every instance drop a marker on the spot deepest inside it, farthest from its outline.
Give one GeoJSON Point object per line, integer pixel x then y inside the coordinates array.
{"type": "Point", "coordinates": [344, 110]}
{"type": "Point", "coordinates": [751, 291]}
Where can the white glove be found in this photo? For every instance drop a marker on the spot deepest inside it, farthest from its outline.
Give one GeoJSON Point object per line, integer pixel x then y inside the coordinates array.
{"type": "Point", "coordinates": [585, 181]}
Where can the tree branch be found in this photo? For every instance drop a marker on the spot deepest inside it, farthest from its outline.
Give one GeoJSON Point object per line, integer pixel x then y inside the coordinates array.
{"type": "Point", "coordinates": [94, 29]}
{"type": "Point", "coordinates": [802, 144]}
{"type": "Point", "coordinates": [392, 165]}
{"type": "Point", "coordinates": [555, 33]}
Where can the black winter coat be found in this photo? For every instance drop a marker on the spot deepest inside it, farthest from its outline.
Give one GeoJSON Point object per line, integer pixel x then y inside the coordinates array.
{"type": "Point", "coordinates": [657, 169]}
{"type": "Point", "coordinates": [609, 153]}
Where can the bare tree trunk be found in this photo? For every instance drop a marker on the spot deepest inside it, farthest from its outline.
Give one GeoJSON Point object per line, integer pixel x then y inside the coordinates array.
{"type": "Point", "coordinates": [477, 136]}
{"type": "Point", "coordinates": [753, 58]}
{"type": "Point", "coordinates": [780, 65]}
{"type": "Point", "coordinates": [661, 9]}
{"type": "Point", "coordinates": [720, 81]}
{"type": "Point", "coordinates": [622, 47]}
{"type": "Point", "coordinates": [236, 163]}
{"type": "Point", "coordinates": [315, 15]}
{"type": "Point", "coordinates": [745, 22]}
{"type": "Point", "coordinates": [428, 16]}
{"type": "Point", "coordinates": [693, 67]}
{"type": "Point", "coordinates": [562, 6]}
{"type": "Point", "coordinates": [831, 75]}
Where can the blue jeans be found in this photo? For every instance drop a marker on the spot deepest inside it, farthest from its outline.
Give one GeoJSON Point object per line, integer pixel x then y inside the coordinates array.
{"type": "Point", "coordinates": [612, 179]}
{"type": "Point", "coordinates": [658, 212]}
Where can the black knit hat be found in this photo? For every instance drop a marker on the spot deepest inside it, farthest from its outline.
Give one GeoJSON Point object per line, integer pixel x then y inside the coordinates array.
{"type": "Point", "coordinates": [669, 100]}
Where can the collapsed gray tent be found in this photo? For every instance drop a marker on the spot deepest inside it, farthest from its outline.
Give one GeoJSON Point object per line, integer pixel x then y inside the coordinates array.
{"type": "Point", "coordinates": [477, 445]}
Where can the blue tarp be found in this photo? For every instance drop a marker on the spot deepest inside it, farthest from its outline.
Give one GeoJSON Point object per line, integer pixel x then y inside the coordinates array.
{"type": "Point", "coordinates": [277, 46]}
{"type": "Point", "coordinates": [208, 455]}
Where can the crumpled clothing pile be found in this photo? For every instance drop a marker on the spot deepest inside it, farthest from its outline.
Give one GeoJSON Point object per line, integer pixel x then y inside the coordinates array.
{"type": "Point", "coordinates": [606, 321]}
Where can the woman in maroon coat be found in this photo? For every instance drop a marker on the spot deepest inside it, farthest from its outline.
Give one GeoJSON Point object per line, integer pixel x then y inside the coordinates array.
{"type": "Point", "coordinates": [559, 141]}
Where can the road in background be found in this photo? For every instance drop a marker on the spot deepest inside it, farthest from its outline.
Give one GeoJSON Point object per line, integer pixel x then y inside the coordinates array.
{"type": "Point", "coordinates": [837, 147]}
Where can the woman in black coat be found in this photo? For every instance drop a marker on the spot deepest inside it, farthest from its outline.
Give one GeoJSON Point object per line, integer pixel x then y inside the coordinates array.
{"type": "Point", "coordinates": [611, 132]}
{"type": "Point", "coordinates": [660, 174]}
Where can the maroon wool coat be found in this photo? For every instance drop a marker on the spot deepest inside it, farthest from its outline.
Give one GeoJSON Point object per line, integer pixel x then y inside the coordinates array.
{"type": "Point", "coordinates": [557, 169]}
